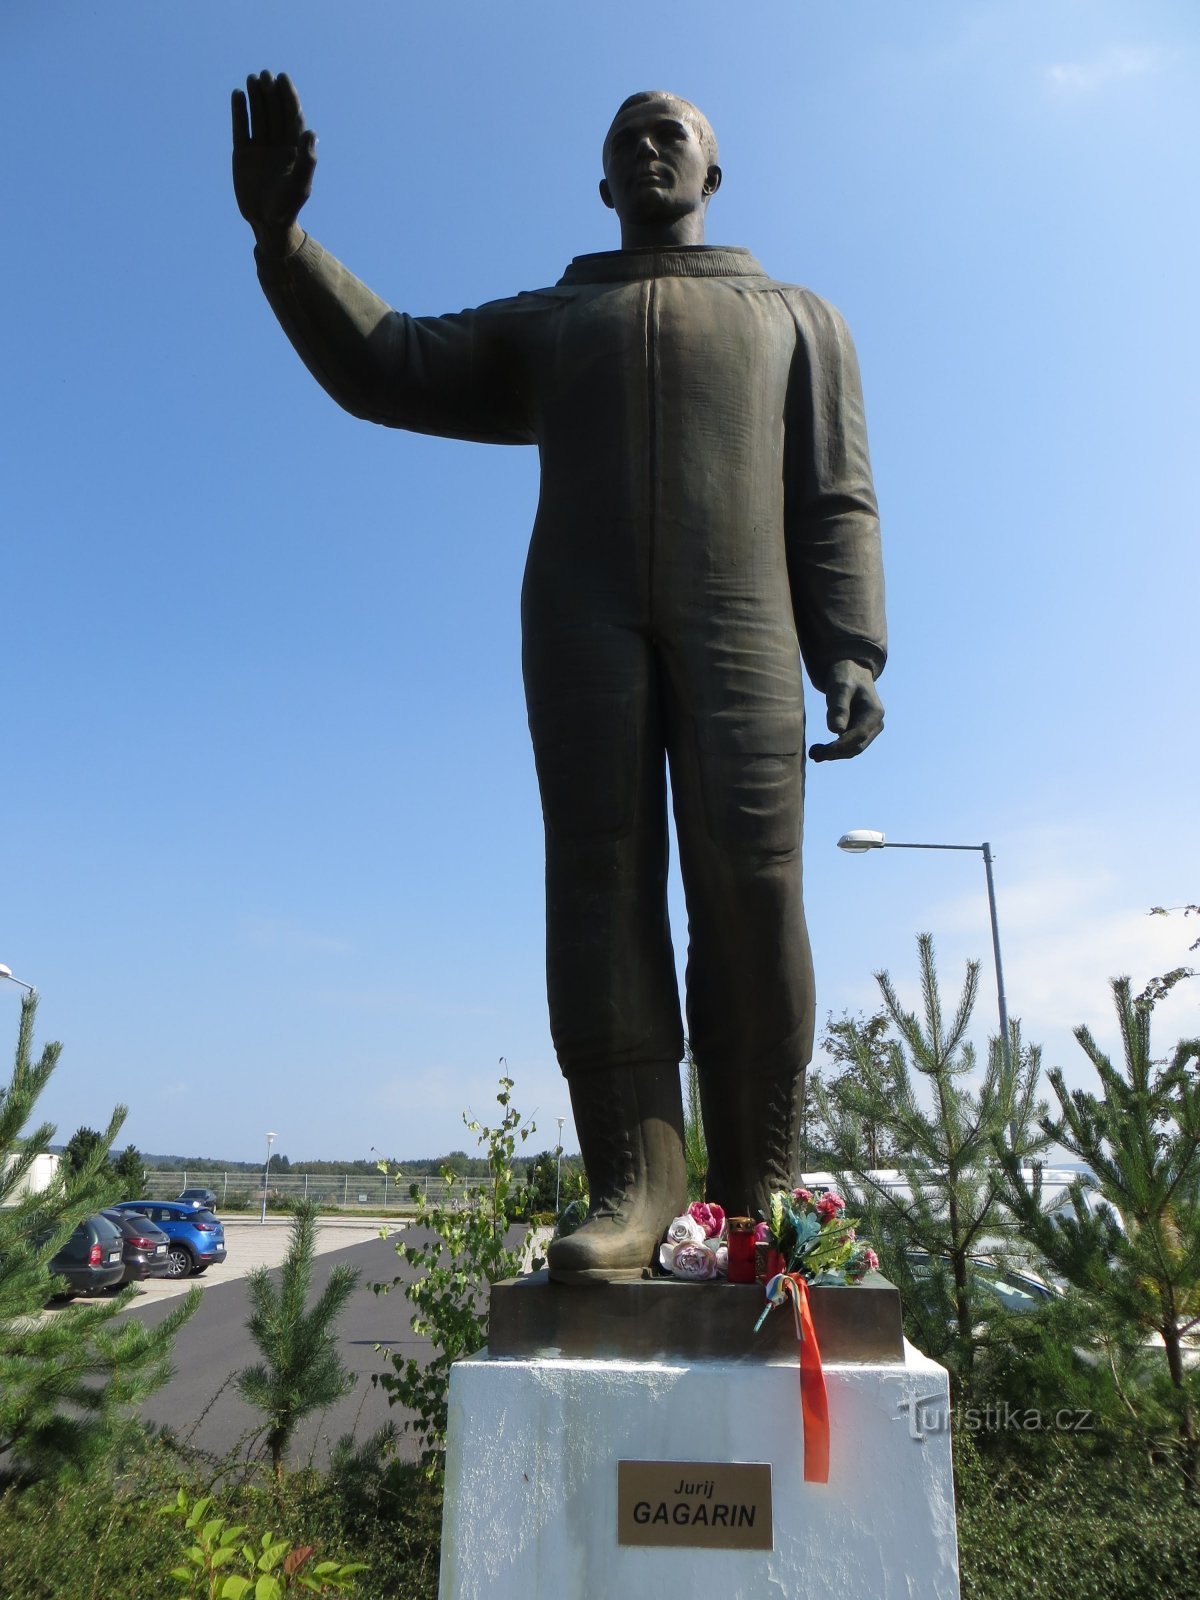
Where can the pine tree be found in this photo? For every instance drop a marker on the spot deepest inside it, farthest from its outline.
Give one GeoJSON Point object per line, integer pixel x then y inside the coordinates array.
{"type": "Point", "coordinates": [695, 1146]}
{"type": "Point", "coordinates": [1136, 1259]}
{"type": "Point", "coordinates": [860, 1046]}
{"type": "Point", "coordinates": [68, 1380]}
{"type": "Point", "coordinates": [301, 1371]}
{"type": "Point", "coordinates": [949, 1206]}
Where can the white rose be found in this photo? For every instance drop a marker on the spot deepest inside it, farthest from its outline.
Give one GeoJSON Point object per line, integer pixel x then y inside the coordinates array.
{"type": "Point", "coordinates": [685, 1230]}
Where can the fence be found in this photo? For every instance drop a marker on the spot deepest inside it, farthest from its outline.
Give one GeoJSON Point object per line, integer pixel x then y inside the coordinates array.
{"type": "Point", "coordinates": [351, 1191]}
{"type": "Point", "coordinates": [376, 1192]}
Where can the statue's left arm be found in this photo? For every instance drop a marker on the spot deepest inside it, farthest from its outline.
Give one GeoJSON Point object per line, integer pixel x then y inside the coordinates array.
{"type": "Point", "coordinates": [832, 531]}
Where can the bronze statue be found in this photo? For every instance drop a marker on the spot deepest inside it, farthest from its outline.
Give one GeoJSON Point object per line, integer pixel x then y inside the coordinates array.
{"type": "Point", "coordinates": [706, 517]}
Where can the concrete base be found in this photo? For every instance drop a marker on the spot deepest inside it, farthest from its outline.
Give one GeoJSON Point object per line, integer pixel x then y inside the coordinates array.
{"type": "Point", "coordinates": [531, 1480]}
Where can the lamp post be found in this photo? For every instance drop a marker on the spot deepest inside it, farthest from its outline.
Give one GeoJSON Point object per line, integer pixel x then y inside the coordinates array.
{"type": "Point", "coordinates": [7, 972]}
{"type": "Point", "coordinates": [859, 840]}
{"type": "Point", "coordinates": [558, 1173]}
{"type": "Point", "coordinates": [266, 1174]}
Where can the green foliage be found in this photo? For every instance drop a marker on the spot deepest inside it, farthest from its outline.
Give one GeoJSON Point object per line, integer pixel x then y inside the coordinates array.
{"type": "Point", "coordinates": [466, 1251]}
{"type": "Point", "coordinates": [83, 1147]}
{"type": "Point", "coordinates": [1088, 1526]}
{"type": "Point", "coordinates": [301, 1371]}
{"type": "Point", "coordinates": [107, 1539]}
{"type": "Point", "coordinates": [388, 1512]}
{"type": "Point", "coordinates": [226, 1561]}
{"type": "Point", "coordinates": [695, 1146]}
{"type": "Point", "coordinates": [861, 1047]}
{"type": "Point", "coordinates": [129, 1173]}
{"type": "Point", "coordinates": [954, 1187]}
{"type": "Point", "coordinates": [69, 1381]}
{"type": "Point", "coordinates": [1135, 1259]}
{"type": "Point", "coordinates": [551, 1186]}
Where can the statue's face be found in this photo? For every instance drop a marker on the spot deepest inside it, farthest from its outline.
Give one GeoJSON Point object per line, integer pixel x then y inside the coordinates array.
{"type": "Point", "coordinates": [655, 168]}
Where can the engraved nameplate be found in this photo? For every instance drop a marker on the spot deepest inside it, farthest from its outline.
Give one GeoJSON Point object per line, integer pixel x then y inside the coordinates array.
{"type": "Point", "coordinates": [718, 1505]}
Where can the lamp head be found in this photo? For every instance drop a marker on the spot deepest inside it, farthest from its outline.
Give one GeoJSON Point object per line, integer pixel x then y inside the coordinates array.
{"type": "Point", "coordinates": [860, 839]}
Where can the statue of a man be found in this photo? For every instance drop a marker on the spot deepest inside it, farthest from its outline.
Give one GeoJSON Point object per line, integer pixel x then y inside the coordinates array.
{"type": "Point", "coordinates": [706, 517]}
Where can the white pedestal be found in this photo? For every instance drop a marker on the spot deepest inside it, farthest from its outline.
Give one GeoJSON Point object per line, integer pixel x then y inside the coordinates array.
{"type": "Point", "coordinates": [531, 1480]}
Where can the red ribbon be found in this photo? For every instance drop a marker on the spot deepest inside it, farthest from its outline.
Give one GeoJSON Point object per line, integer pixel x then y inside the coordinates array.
{"type": "Point", "coordinates": [814, 1401]}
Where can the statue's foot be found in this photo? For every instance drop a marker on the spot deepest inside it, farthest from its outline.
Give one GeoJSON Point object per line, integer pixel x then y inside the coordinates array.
{"type": "Point", "coordinates": [602, 1251]}
{"type": "Point", "coordinates": [630, 1126]}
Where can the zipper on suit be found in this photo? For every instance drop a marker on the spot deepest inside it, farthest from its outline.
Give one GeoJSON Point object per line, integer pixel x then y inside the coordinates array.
{"type": "Point", "coordinates": [652, 435]}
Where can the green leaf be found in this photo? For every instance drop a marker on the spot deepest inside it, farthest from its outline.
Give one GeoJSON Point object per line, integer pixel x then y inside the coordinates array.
{"type": "Point", "coordinates": [197, 1512]}
{"type": "Point", "coordinates": [234, 1588]}
{"type": "Point", "coordinates": [273, 1555]}
{"type": "Point", "coordinates": [267, 1588]}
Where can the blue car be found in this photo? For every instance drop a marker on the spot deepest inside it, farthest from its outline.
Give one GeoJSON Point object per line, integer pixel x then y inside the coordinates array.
{"type": "Point", "coordinates": [197, 1239]}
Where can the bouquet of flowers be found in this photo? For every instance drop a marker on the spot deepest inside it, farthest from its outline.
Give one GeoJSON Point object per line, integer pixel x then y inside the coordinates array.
{"type": "Point", "coordinates": [810, 1234]}
{"type": "Point", "coordinates": [694, 1248]}
{"type": "Point", "coordinates": [815, 1238]}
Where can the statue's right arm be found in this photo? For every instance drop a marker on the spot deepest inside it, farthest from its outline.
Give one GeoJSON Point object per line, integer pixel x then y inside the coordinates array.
{"type": "Point", "coordinates": [440, 375]}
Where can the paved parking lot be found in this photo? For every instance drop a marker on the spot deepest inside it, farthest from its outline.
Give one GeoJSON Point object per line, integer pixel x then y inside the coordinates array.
{"type": "Point", "coordinates": [251, 1244]}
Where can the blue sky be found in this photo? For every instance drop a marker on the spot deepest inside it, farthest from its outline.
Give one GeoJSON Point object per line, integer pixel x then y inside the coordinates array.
{"type": "Point", "coordinates": [271, 841]}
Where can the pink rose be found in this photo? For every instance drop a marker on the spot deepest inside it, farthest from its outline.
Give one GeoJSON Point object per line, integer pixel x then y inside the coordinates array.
{"type": "Point", "coordinates": [710, 1217]}
{"type": "Point", "coordinates": [871, 1259]}
{"type": "Point", "coordinates": [829, 1205]}
{"type": "Point", "coordinates": [762, 1234]}
{"type": "Point", "coordinates": [804, 1196]}
{"type": "Point", "coordinates": [695, 1262]}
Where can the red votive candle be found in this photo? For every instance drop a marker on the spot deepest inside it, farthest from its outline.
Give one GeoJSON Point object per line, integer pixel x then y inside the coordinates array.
{"type": "Point", "coordinates": [740, 1242]}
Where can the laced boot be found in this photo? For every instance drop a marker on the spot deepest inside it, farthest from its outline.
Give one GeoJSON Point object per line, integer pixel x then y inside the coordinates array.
{"type": "Point", "coordinates": [630, 1126]}
{"type": "Point", "coordinates": [752, 1128]}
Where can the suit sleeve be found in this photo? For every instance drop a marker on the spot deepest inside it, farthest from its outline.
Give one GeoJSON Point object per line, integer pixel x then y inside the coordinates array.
{"type": "Point", "coordinates": [832, 519]}
{"type": "Point", "coordinates": [458, 376]}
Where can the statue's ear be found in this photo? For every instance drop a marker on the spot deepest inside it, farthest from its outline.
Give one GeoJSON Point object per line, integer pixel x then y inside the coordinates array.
{"type": "Point", "coordinates": [712, 181]}
{"type": "Point", "coordinates": [606, 194]}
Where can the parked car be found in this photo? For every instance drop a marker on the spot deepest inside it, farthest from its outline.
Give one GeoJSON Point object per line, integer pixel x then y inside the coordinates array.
{"type": "Point", "coordinates": [197, 1239]}
{"type": "Point", "coordinates": [91, 1259]}
{"type": "Point", "coordinates": [144, 1246]}
{"type": "Point", "coordinates": [199, 1199]}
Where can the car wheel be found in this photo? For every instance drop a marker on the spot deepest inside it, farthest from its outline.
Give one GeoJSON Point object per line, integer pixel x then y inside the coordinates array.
{"type": "Point", "coordinates": [179, 1262]}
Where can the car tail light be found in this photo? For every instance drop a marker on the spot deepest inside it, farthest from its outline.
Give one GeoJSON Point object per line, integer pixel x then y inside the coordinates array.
{"type": "Point", "coordinates": [95, 1256]}
{"type": "Point", "coordinates": [139, 1243]}
{"type": "Point", "coordinates": [204, 1227]}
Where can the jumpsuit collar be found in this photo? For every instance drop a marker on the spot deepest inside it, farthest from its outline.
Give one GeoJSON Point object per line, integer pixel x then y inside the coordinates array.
{"type": "Point", "coordinates": [649, 261]}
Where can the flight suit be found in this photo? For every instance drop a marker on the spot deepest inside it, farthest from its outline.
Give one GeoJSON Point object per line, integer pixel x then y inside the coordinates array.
{"type": "Point", "coordinates": [706, 515]}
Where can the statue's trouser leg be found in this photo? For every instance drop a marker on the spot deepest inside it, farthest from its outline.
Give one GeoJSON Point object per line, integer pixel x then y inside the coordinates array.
{"type": "Point", "coordinates": [614, 1007]}
{"type": "Point", "coordinates": [737, 776]}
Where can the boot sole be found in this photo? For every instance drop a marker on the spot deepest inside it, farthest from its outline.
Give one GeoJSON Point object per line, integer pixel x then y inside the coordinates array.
{"type": "Point", "coordinates": [599, 1275]}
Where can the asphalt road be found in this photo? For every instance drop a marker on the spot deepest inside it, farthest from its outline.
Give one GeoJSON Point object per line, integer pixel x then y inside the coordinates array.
{"type": "Point", "coordinates": [200, 1403]}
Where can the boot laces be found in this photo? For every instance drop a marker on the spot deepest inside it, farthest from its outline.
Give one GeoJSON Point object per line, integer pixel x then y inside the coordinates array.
{"type": "Point", "coordinates": [618, 1173]}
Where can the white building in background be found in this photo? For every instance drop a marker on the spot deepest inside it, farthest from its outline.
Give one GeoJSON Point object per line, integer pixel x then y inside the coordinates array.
{"type": "Point", "coordinates": [39, 1176]}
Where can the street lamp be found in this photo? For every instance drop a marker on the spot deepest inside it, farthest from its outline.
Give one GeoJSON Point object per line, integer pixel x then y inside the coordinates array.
{"type": "Point", "coordinates": [558, 1173]}
{"type": "Point", "coordinates": [266, 1174]}
{"type": "Point", "coordinates": [860, 840]}
{"type": "Point", "coordinates": [6, 972]}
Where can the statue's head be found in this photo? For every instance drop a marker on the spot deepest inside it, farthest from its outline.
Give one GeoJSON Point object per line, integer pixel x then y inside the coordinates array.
{"type": "Point", "coordinates": [660, 159]}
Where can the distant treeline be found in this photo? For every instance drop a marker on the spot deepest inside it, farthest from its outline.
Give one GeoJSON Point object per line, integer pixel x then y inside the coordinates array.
{"type": "Point", "coordinates": [458, 1161]}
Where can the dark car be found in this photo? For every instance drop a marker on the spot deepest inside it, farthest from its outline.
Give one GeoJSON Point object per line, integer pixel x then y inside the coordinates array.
{"type": "Point", "coordinates": [199, 1199]}
{"type": "Point", "coordinates": [91, 1259]}
{"type": "Point", "coordinates": [145, 1246]}
{"type": "Point", "coordinates": [197, 1239]}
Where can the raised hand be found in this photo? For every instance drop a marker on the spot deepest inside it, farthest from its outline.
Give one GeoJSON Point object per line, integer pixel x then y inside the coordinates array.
{"type": "Point", "coordinates": [274, 158]}
{"type": "Point", "coordinates": [853, 711]}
